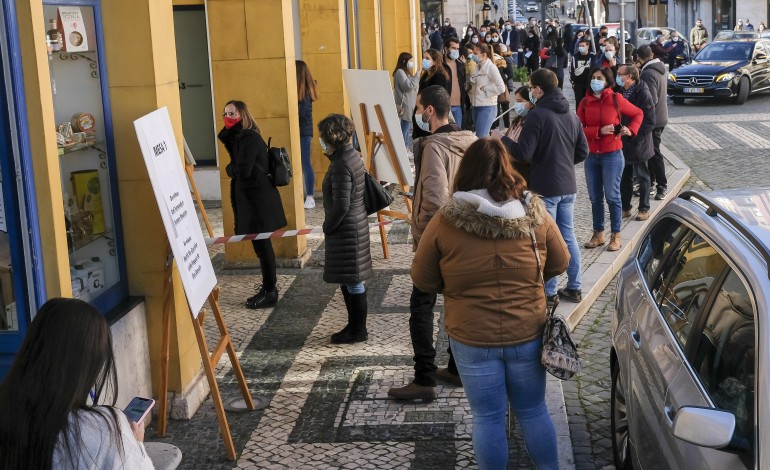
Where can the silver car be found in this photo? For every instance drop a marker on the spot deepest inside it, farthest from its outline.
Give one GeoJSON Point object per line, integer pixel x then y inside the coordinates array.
{"type": "Point", "coordinates": [648, 35]}
{"type": "Point", "coordinates": [689, 357]}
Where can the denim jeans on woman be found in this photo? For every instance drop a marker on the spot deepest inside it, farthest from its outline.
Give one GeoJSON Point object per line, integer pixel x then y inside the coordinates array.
{"type": "Point", "coordinates": [483, 117]}
{"type": "Point", "coordinates": [603, 172]}
{"type": "Point", "coordinates": [308, 174]}
{"type": "Point", "coordinates": [494, 376]}
{"type": "Point", "coordinates": [562, 209]}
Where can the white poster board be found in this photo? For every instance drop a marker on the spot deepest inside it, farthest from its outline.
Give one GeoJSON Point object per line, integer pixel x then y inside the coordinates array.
{"type": "Point", "coordinates": [372, 87]}
{"type": "Point", "coordinates": [169, 183]}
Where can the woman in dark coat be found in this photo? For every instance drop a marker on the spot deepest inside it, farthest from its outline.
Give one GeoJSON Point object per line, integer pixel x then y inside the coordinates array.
{"type": "Point", "coordinates": [256, 203]}
{"type": "Point", "coordinates": [348, 260]}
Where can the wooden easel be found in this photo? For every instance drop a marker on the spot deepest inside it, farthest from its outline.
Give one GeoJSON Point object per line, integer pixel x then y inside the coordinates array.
{"type": "Point", "coordinates": [372, 140]}
{"type": "Point", "coordinates": [210, 360]}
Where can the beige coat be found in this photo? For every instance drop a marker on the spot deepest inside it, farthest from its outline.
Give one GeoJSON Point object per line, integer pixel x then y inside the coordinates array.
{"type": "Point", "coordinates": [436, 166]}
{"type": "Point", "coordinates": [486, 83]}
{"type": "Point", "coordinates": [486, 268]}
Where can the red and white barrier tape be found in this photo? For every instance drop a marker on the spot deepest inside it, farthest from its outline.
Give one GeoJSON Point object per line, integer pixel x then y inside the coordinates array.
{"type": "Point", "coordinates": [282, 233]}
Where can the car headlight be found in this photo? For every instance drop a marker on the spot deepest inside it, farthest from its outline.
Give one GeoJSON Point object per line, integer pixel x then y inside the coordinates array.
{"type": "Point", "coordinates": [726, 77]}
{"type": "Point", "coordinates": [671, 77]}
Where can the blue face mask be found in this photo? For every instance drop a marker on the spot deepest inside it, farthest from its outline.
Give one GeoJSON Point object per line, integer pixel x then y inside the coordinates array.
{"type": "Point", "coordinates": [324, 147]}
{"type": "Point", "coordinates": [597, 85]}
{"type": "Point", "coordinates": [520, 108]}
{"type": "Point", "coordinates": [426, 64]}
{"type": "Point", "coordinates": [410, 64]}
{"type": "Point", "coordinates": [619, 81]}
{"type": "Point", "coordinates": [425, 126]}
{"type": "Point", "coordinates": [475, 58]}
{"type": "Point", "coordinates": [454, 54]}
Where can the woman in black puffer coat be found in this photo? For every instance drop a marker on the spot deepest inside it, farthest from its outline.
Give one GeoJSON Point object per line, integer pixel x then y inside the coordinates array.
{"type": "Point", "coordinates": [256, 203]}
{"type": "Point", "coordinates": [348, 260]}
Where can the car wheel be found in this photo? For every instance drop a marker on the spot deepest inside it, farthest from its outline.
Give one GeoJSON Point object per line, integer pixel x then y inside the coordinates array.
{"type": "Point", "coordinates": [743, 91]}
{"type": "Point", "coordinates": [678, 100]}
{"type": "Point", "coordinates": [619, 423]}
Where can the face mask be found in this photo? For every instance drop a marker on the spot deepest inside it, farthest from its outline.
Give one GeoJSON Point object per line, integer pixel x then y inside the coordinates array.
{"type": "Point", "coordinates": [231, 121]}
{"type": "Point", "coordinates": [508, 27]}
{"type": "Point", "coordinates": [475, 58]}
{"type": "Point", "coordinates": [609, 55]}
{"type": "Point", "coordinates": [532, 98]}
{"type": "Point", "coordinates": [495, 38]}
{"type": "Point", "coordinates": [324, 148]}
{"type": "Point", "coordinates": [619, 80]}
{"type": "Point", "coordinates": [597, 85]}
{"type": "Point", "coordinates": [520, 108]}
{"type": "Point", "coordinates": [489, 39]}
{"type": "Point", "coordinates": [426, 64]}
{"type": "Point", "coordinates": [583, 50]}
{"type": "Point", "coordinates": [675, 39]}
{"type": "Point", "coordinates": [425, 126]}
{"type": "Point", "coordinates": [454, 54]}
{"type": "Point", "coordinates": [410, 64]}
{"type": "Point", "coordinates": [602, 48]}
{"type": "Point", "coordinates": [475, 40]}
{"type": "Point", "coordinates": [446, 23]}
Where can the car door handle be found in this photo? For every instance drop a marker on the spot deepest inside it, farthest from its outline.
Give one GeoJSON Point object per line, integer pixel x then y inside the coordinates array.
{"type": "Point", "coordinates": [668, 414]}
{"type": "Point", "coordinates": [636, 339]}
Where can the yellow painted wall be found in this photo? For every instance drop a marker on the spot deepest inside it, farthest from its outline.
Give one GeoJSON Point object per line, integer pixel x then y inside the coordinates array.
{"type": "Point", "coordinates": [252, 59]}
{"type": "Point", "coordinates": [325, 50]}
{"type": "Point", "coordinates": [143, 78]}
{"type": "Point", "coordinates": [370, 34]}
{"type": "Point", "coordinates": [390, 35]}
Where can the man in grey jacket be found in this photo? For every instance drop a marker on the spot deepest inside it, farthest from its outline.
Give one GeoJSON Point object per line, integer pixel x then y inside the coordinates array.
{"type": "Point", "coordinates": [654, 75]}
{"type": "Point", "coordinates": [435, 169]}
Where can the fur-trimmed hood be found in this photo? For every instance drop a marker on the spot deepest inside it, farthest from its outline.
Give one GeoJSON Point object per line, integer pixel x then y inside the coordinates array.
{"type": "Point", "coordinates": [477, 213]}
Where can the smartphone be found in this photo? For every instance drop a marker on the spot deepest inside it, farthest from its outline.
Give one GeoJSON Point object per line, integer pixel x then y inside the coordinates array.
{"type": "Point", "coordinates": [138, 409]}
{"type": "Point", "coordinates": [618, 127]}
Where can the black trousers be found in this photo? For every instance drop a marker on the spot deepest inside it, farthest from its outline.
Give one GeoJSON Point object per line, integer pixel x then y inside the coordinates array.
{"type": "Point", "coordinates": [502, 108]}
{"type": "Point", "coordinates": [421, 330]}
{"type": "Point", "coordinates": [264, 251]}
{"type": "Point", "coordinates": [627, 186]}
{"type": "Point", "coordinates": [656, 165]}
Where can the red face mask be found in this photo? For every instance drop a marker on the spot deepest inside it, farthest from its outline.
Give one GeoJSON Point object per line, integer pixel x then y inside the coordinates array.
{"type": "Point", "coordinates": [230, 121]}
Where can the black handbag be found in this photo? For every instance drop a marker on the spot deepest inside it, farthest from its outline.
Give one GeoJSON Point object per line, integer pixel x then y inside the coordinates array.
{"type": "Point", "coordinates": [376, 197]}
{"type": "Point", "coordinates": [559, 355]}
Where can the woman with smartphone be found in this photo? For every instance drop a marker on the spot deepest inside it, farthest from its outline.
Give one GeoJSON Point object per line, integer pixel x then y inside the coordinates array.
{"type": "Point", "coordinates": [600, 113]}
{"type": "Point", "coordinates": [46, 417]}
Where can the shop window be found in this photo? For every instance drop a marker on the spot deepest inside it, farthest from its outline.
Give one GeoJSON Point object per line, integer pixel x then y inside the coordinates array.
{"type": "Point", "coordinates": [86, 158]}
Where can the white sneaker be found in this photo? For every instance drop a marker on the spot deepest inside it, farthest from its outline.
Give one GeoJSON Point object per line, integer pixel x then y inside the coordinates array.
{"type": "Point", "coordinates": [309, 202]}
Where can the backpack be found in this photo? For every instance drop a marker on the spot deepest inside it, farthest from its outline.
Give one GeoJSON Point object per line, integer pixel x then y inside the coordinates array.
{"type": "Point", "coordinates": [280, 167]}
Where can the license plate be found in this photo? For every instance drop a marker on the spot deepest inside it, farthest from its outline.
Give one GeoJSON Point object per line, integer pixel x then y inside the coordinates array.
{"type": "Point", "coordinates": [693, 90]}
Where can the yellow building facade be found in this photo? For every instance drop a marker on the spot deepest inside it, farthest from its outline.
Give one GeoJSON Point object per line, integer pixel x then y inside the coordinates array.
{"type": "Point", "coordinates": [132, 55]}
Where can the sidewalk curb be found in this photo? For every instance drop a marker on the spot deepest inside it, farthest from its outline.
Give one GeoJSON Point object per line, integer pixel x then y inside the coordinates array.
{"type": "Point", "coordinates": [597, 276]}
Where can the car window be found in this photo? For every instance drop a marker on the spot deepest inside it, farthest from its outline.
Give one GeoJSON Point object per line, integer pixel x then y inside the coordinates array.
{"type": "Point", "coordinates": [657, 246]}
{"type": "Point", "coordinates": [724, 360]}
{"type": "Point", "coordinates": [721, 51]}
{"type": "Point", "coordinates": [686, 283]}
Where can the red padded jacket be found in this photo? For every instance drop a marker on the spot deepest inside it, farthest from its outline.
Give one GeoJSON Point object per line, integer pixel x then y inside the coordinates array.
{"type": "Point", "coordinates": [594, 113]}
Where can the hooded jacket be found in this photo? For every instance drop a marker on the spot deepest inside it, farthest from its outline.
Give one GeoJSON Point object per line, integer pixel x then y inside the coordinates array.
{"type": "Point", "coordinates": [435, 170]}
{"type": "Point", "coordinates": [552, 139]}
{"type": "Point", "coordinates": [595, 113]}
{"type": "Point", "coordinates": [639, 148]}
{"type": "Point", "coordinates": [486, 84]}
{"type": "Point", "coordinates": [346, 228]}
{"type": "Point", "coordinates": [654, 75]}
{"type": "Point", "coordinates": [478, 253]}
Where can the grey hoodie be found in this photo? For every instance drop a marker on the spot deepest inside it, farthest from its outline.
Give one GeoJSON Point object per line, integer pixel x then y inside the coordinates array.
{"type": "Point", "coordinates": [654, 75]}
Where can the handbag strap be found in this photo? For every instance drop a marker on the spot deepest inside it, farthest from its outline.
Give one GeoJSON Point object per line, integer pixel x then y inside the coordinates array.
{"type": "Point", "coordinates": [533, 238]}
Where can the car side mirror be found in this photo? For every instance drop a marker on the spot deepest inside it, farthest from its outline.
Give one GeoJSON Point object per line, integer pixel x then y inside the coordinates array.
{"type": "Point", "coordinates": [704, 427]}
{"type": "Point", "coordinates": [760, 57]}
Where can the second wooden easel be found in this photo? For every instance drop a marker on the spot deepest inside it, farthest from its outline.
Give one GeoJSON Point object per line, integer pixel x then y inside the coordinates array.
{"type": "Point", "coordinates": [372, 140]}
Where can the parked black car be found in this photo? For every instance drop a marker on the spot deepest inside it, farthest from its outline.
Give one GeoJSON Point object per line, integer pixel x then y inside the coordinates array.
{"type": "Point", "coordinates": [723, 69]}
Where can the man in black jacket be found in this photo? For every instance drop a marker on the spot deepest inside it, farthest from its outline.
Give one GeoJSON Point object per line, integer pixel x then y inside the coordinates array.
{"type": "Point", "coordinates": [448, 31]}
{"type": "Point", "coordinates": [636, 149]}
{"type": "Point", "coordinates": [654, 75]}
{"type": "Point", "coordinates": [454, 64]}
{"type": "Point", "coordinates": [554, 142]}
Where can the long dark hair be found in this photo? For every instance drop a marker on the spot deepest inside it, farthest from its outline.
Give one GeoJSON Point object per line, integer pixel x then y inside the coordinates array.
{"type": "Point", "coordinates": [438, 65]}
{"type": "Point", "coordinates": [66, 353]}
{"type": "Point", "coordinates": [305, 84]}
{"type": "Point", "coordinates": [247, 120]}
{"type": "Point", "coordinates": [403, 59]}
{"type": "Point", "coordinates": [486, 165]}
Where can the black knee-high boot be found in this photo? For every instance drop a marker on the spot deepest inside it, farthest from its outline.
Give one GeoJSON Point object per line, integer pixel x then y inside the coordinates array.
{"type": "Point", "coordinates": [355, 331]}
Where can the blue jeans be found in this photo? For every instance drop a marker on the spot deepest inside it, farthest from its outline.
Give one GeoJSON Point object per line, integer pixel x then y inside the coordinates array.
{"type": "Point", "coordinates": [483, 117]}
{"type": "Point", "coordinates": [494, 376]}
{"type": "Point", "coordinates": [356, 288]}
{"type": "Point", "coordinates": [562, 209]}
{"type": "Point", "coordinates": [457, 113]}
{"type": "Point", "coordinates": [603, 173]}
{"type": "Point", "coordinates": [405, 126]}
{"type": "Point", "coordinates": [307, 167]}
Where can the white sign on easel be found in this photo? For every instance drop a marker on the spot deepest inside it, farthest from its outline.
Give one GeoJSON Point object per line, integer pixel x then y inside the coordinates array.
{"type": "Point", "coordinates": [169, 183]}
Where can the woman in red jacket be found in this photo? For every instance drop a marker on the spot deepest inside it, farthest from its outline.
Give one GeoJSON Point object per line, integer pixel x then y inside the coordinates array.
{"type": "Point", "coordinates": [600, 114]}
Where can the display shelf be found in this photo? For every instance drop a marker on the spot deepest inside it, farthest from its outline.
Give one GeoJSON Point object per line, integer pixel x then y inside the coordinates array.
{"type": "Point", "coordinates": [99, 146]}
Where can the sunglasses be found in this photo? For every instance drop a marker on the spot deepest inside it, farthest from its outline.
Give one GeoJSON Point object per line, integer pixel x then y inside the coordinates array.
{"type": "Point", "coordinates": [230, 114]}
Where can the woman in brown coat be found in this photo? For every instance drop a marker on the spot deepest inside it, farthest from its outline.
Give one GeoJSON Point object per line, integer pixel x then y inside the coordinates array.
{"type": "Point", "coordinates": [478, 252]}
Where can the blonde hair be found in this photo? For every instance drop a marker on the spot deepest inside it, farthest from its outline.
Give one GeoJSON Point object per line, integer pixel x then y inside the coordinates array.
{"type": "Point", "coordinates": [305, 82]}
{"type": "Point", "coordinates": [247, 120]}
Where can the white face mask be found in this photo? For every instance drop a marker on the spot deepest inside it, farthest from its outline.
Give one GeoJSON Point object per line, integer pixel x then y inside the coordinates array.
{"type": "Point", "coordinates": [425, 126]}
{"type": "Point", "coordinates": [410, 64]}
{"type": "Point", "coordinates": [675, 39]}
{"type": "Point", "coordinates": [495, 38]}
{"type": "Point", "coordinates": [583, 49]}
{"type": "Point", "coordinates": [609, 55]}
{"type": "Point", "coordinates": [475, 40]}
{"type": "Point", "coordinates": [454, 54]}
{"type": "Point", "coordinates": [520, 108]}
{"type": "Point", "coordinates": [324, 148]}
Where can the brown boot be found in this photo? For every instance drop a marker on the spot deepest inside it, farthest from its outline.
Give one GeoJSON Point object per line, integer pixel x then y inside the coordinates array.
{"type": "Point", "coordinates": [596, 240]}
{"type": "Point", "coordinates": [643, 215]}
{"type": "Point", "coordinates": [614, 242]}
{"type": "Point", "coordinates": [413, 392]}
{"type": "Point", "coordinates": [627, 214]}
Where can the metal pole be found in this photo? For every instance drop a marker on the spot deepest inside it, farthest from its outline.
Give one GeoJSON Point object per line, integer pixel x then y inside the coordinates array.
{"type": "Point", "coordinates": [543, 4]}
{"type": "Point", "coordinates": [623, 32]}
{"type": "Point", "coordinates": [590, 22]}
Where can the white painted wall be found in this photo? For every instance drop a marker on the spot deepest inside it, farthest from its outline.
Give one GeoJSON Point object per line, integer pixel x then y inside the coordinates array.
{"type": "Point", "coordinates": [208, 183]}
{"type": "Point", "coordinates": [132, 356]}
{"type": "Point", "coordinates": [755, 10]}
{"type": "Point", "coordinates": [457, 11]}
